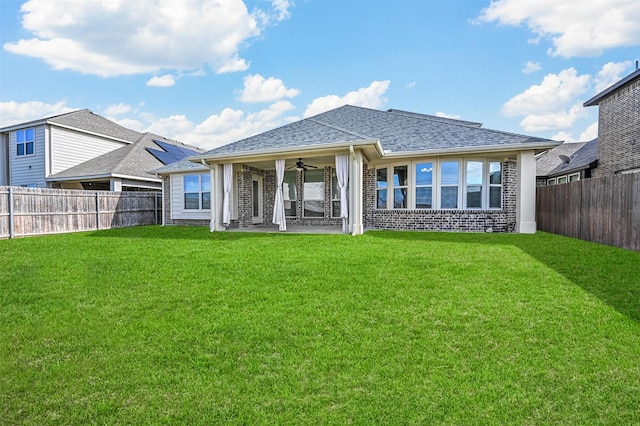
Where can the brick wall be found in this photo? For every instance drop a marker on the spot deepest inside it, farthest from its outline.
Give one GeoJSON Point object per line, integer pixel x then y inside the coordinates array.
{"type": "Point", "coordinates": [619, 131]}
{"type": "Point", "coordinates": [443, 220]}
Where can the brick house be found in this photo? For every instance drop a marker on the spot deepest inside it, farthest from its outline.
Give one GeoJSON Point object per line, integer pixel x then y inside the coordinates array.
{"type": "Point", "coordinates": [361, 168]}
{"type": "Point", "coordinates": [618, 126]}
{"type": "Point", "coordinates": [569, 162]}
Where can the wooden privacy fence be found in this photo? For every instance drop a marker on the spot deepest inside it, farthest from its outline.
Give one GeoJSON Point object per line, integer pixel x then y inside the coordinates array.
{"type": "Point", "coordinates": [39, 211]}
{"type": "Point", "coordinates": [604, 210]}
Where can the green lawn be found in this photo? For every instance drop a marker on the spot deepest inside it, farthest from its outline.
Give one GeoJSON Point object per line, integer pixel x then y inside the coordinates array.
{"type": "Point", "coordinates": [173, 325]}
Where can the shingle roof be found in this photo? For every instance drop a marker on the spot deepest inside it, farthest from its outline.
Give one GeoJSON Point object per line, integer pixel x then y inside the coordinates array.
{"type": "Point", "coordinates": [581, 156]}
{"type": "Point", "coordinates": [91, 122]}
{"type": "Point", "coordinates": [130, 160]}
{"type": "Point", "coordinates": [397, 131]}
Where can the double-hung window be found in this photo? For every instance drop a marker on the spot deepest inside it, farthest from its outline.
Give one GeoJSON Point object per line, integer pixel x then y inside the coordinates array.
{"type": "Point", "coordinates": [197, 192]}
{"type": "Point", "coordinates": [290, 194]}
{"type": "Point", "coordinates": [449, 183]}
{"type": "Point", "coordinates": [381, 188]}
{"type": "Point", "coordinates": [474, 177]}
{"type": "Point", "coordinates": [495, 185]}
{"type": "Point", "coordinates": [424, 185]}
{"type": "Point", "coordinates": [313, 193]}
{"type": "Point", "coordinates": [400, 187]}
{"type": "Point", "coordinates": [25, 142]}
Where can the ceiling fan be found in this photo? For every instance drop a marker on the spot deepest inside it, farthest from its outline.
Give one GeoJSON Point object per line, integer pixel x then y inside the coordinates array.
{"type": "Point", "coordinates": [300, 166]}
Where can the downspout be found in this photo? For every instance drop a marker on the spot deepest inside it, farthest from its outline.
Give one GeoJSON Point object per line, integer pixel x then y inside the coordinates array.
{"type": "Point", "coordinates": [212, 222]}
{"type": "Point", "coordinates": [162, 188]}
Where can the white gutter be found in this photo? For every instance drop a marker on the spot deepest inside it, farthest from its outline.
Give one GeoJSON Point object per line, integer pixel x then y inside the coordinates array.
{"type": "Point", "coordinates": [472, 149]}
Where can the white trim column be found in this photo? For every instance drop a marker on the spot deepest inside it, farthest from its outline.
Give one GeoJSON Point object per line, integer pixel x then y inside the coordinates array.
{"type": "Point", "coordinates": [526, 193]}
{"type": "Point", "coordinates": [356, 193]}
{"type": "Point", "coordinates": [217, 198]}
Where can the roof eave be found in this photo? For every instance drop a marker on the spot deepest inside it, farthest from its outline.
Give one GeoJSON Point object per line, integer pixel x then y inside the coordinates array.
{"type": "Point", "coordinates": [100, 176]}
{"type": "Point", "coordinates": [290, 151]}
{"type": "Point", "coordinates": [474, 149]}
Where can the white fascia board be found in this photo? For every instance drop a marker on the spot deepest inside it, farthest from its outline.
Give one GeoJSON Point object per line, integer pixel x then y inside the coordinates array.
{"type": "Point", "coordinates": [472, 150]}
{"type": "Point", "coordinates": [101, 176]}
{"type": "Point", "coordinates": [291, 152]}
{"type": "Point", "coordinates": [75, 129]}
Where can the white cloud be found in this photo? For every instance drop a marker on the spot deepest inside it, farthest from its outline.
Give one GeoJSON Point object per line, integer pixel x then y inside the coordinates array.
{"type": "Point", "coordinates": [117, 109]}
{"type": "Point", "coordinates": [563, 136]}
{"type": "Point", "coordinates": [117, 37]}
{"type": "Point", "coordinates": [369, 97]}
{"type": "Point", "coordinates": [555, 92]}
{"type": "Point", "coordinates": [445, 115]}
{"type": "Point", "coordinates": [610, 74]}
{"type": "Point", "coordinates": [554, 120]}
{"type": "Point", "coordinates": [411, 85]}
{"type": "Point", "coordinates": [575, 27]}
{"type": "Point", "coordinates": [590, 133]}
{"type": "Point", "coordinates": [531, 67]}
{"type": "Point", "coordinates": [20, 112]}
{"type": "Point", "coordinates": [259, 89]}
{"type": "Point", "coordinates": [166, 80]}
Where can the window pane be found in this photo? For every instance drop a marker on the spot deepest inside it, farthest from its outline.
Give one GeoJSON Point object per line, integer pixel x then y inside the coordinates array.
{"type": "Point", "coordinates": [290, 208]}
{"type": "Point", "coordinates": [424, 174]}
{"type": "Point", "coordinates": [314, 185]}
{"type": "Point", "coordinates": [206, 182]}
{"type": "Point", "coordinates": [289, 187]}
{"type": "Point", "coordinates": [206, 200]}
{"type": "Point", "coordinates": [335, 208]}
{"type": "Point", "coordinates": [449, 197]}
{"type": "Point", "coordinates": [562, 179]}
{"type": "Point", "coordinates": [400, 198]}
{"type": "Point", "coordinates": [335, 192]}
{"type": "Point", "coordinates": [474, 197]}
{"type": "Point", "coordinates": [256, 197]}
{"type": "Point", "coordinates": [474, 173]}
{"type": "Point", "coordinates": [382, 199]}
{"type": "Point", "coordinates": [573, 178]}
{"type": "Point", "coordinates": [495, 173]}
{"type": "Point", "coordinates": [191, 201]}
{"type": "Point", "coordinates": [20, 136]}
{"type": "Point", "coordinates": [423, 198]}
{"type": "Point", "coordinates": [20, 147]}
{"type": "Point", "coordinates": [381, 178]}
{"type": "Point", "coordinates": [495, 197]}
{"type": "Point", "coordinates": [400, 176]}
{"type": "Point", "coordinates": [29, 149]}
{"type": "Point", "coordinates": [314, 208]}
{"type": "Point", "coordinates": [191, 183]}
{"type": "Point", "coordinates": [449, 173]}
{"type": "Point", "coordinates": [28, 135]}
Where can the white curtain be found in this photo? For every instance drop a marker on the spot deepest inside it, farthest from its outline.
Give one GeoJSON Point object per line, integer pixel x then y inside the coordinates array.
{"type": "Point", "coordinates": [278, 206]}
{"type": "Point", "coordinates": [226, 201]}
{"type": "Point", "coordinates": [342, 173]}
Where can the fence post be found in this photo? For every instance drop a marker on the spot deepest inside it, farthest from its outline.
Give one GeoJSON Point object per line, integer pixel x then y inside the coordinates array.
{"type": "Point", "coordinates": [98, 211]}
{"type": "Point", "coordinates": [11, 224]}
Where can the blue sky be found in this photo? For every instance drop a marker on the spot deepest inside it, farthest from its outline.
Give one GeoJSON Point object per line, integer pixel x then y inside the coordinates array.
{"type": "Point", "coordinates": [209, 72]}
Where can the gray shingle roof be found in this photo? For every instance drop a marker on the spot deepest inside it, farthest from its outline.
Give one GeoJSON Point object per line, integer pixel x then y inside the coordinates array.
{"type": "Point", "coordinates": [91, 122]}
{"type": "Point", "coordinates": [397, 131]}
{"type": "Point", "coordinates": [581, 155]}
{"type": "Point", "coordinates": [130, 160]}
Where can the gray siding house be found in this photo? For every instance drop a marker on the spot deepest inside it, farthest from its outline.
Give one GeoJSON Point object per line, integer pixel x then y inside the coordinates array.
{"type": "Point", "coordinates": [362, 169]}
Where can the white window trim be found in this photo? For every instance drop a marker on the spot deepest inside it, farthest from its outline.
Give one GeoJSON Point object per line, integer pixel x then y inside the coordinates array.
{"type": "Point", "coordinates": [199, 192]}
{"type": "Point", "coordinates": [436, 185]}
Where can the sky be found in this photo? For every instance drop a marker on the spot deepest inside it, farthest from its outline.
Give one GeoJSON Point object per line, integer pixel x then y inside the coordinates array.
{"type": "Point", "coordinates": [211, 72]}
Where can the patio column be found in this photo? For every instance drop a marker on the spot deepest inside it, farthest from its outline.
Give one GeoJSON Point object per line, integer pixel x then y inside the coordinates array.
{"type": "Point", "coordinates": [526, 193]}
{"type": "Point", "coordinates": [217, 198]}
{"type": "Point", "coordinates": [355, 193]}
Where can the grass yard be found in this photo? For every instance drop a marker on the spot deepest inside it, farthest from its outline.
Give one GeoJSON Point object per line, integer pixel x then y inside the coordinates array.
{"type": "Point", "coordinates": [169, 325]}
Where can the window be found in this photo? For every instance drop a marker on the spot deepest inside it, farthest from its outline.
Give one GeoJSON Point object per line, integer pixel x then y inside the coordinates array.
{"type": "Point", "coordinates": [473, 181]}
{"type": "Point", "coordinates": [197, 192]}
{"type": "Point", "coordinates": [562, 179]}
{"type": "Point", "coordinates": [25, 142]}
{"type": "Point", "coordinates": [290, 194]}
{"type": "Point", "coordinates": [551, 181]}
{"type": "Point", "coordinates": [381, 188]}
{"type": "Point", "coordinates": [495, 185]}
{"type": "Point", "coordinates": [400, 186]}
{"type": "Point", "coordinates": [313, 193]}
{"type": "Point", "coordinates": [424, 185]}
{"type": "Point", "coordinates": [574, 177]}
{"type": "Point", "coordinates": [449, 179]}
{"type": "Point", "coordinates": [335, 194]}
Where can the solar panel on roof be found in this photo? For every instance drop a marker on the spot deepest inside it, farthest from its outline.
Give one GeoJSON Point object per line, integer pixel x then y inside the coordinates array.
{"type": "Point", "coordinates": [171, 153]}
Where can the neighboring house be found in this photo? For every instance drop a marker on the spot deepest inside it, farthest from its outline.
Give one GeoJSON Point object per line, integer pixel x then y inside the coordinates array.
{"type": "Point", "coordinates": [83, 150]}
{"type": "Point", "coordinates": [568, 162]}
{"type": "Point", "coordinates": [126, 168]}
{"type": "Point", "coordinates": [618, 126]}
{"type": "Point", "coordinates": [362, 169]}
